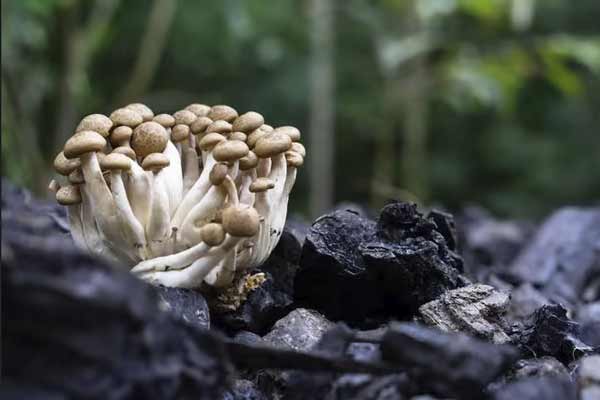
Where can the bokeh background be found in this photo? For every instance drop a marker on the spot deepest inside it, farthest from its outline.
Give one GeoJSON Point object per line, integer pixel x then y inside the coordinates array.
{"type": "Point", "coordinates": [446, 102]}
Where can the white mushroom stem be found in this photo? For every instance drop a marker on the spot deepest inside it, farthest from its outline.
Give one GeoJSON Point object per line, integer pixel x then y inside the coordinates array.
{"type": "Point", "coordinates": [139, 191]}
{"type": "Point", "coordinates": [74, 213]}
{"type": "Point", "coordinates": [222, 275]}
{"type": "Point", "coordinates": [158, 230]}
{"type": "Point", "coordinates": [246, 179]}
{"type": "Point", "coordinates": [172, 178]}
{"type": "Point", "coordinates": [192, 276]}
{"type": "Point", "coordinates": [194, 195]}
{"type": "Point", "coordinates": [201, 214]}
{"type": "Point", "coordinates": [190, 167]}
{"type": "Point", "coordinates": [173, 261]}
{"type": "Point", "coordinates": [263, 167]}
{"type": "Point", "coordinates": [132, 228]}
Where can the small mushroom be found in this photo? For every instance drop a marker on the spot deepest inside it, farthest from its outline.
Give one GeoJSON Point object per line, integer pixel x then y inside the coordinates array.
{"type": "Point", "coordinates": [127, 117]}
{"type": "Point", "coordinates": [219, 126]}
{"type": "Point", "coordinates": [222, 112]}
{"type": "Point", "coordinates": [291, 131]}
{"type": "Point", "coordinates": [200, 124]}
{"type": "Point", "coordinates": [121, 135]}
{"type": "Point", "coordinates": [261, 185]}
{"type": "Point", "coordinates": [142, 109]}
{"type": "Point", "coordinates": [165, 120]}
{"type": "Point", "coordinates": [158, 227]}
{"type": "Point", "coordinates": [248, 122]}
{"type": "Point", "coordinates": [149, 137]}
{"type": "Point", "coordinates": [95, 122]}
{"type": "Point", "coordinates": [65, 166]}
{"type": "Point", "coordinates": [201, 110]}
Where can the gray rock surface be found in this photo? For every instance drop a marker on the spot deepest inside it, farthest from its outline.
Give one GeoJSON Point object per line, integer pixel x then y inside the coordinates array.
{"type": "Point", "coordinates": [301, 329]}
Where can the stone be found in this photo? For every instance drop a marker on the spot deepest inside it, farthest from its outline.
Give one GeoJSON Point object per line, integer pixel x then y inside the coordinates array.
{"type": "Point", "coordinates": [185, 304]}
{"type": "Point", "coordinates": [537, 367]}
{"type": "Point", "coordinates": [364, 272]}
{"type": "Point", "coordinates": [524, 300]}
{"type": "Point", "coordinates": [563, 256]}
{"type": "Point", "coordinates": [588, 378]}
{"type": "Point", "coordinates": [445, 364]}
{"type": "Point", "coordinates": [475, 309]}
{"type": "Point", "coordinates": [301, 329]}
{"type": "Point", "coordinates": [588, 317]}
{"type": "Point", "coordinates": [537, 388]}
{"type": "Point", "coordinates": [243, 389]}
{"type": "Point", "coordinates": [549, 332]}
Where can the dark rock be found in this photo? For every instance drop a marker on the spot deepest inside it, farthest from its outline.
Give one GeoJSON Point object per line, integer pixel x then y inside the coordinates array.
{"type": "Point", "coordinates": [446, 226]}
{"type": "Point", "coordinates": [445, 364]}
{"type": "Point", "coordinates": [299, 330]}
{"type": "Point", "coordinates": [355, 270]}
{"type": "Point", "coordinates": [187, 305]}
{"type": "Point", "coordinates": [244, 390]}
{"type": "Point", "coordinates": [475, 309]}
{"type": "Point", "coordinates": [538, 367]}
{"type": "Point", "coordinates": [274, 298]}
{"type": "Point", "coordinates": [564, 255]}
{"type": "Point", "coordinates": [524, 300]}
{"type": "Point", "coordinates": [538, 388]}
{"type": "Point", "coordinates": [588, 317]}
{"type": "Point", "coordinates": [588, 378]}
{"type": "Point", "coordinates": [76, 327]}
{"type": "Point", "coordinates": [549, 332]}
{"type": "Point", "coordinates": [392, 387]}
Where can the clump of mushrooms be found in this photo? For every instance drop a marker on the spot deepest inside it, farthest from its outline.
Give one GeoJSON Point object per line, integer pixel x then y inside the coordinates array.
{"type": "Point", "coordinates": [184, 199]}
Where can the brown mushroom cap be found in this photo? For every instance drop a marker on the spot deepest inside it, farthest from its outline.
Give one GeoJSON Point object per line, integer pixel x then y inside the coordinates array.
{"type": "Point", "coordinates": [180, 132]}
{"type": "Point", "coordinates": [155, 162]}
{"type": "Point", "coordinates": [142, 109]}
{"type": "Point", "coordinates": [261, 185]}
{"type": "Point", "coordinates": [95, 122]}
{"type": "Point", "coordinates": [68, 195]}
{"type": "Point", "coordinates": [238, 136]}
{"type": "Point", "coordinates": [125, 150]}
{"type": "Point", "coordinates": [53, 186]}
{"type": "Point", "coordinates": [120, 135]}
{"type": "Point", "coordinates": [223, 112]}
{"type": "Point", "coordinates": [218, 173]}
{"type": "Point", "coordinates": [116, 161]}
{"type": "Point", "coordinates": [230, 150]}
{"type": "Point", "coordinates": [76, 177]}
{"type": "Point", "coordinates": [64, 166]}
{"type": "Point", "coordinates": [201, 110]}
{"type": "Point", "coordinates": [292, 132]}
{"type": "Point", "coordinates": [126, 116]}
{"type": "Point", "coordinates": [298, 148]}
{"type": "Point", "coordinates": [254, 136]}
{"type": "Point", "coordinates": [185, 117]}
{"type": "Point", "coordinates": [267, 128]}
{"type": "Point", "coordinates": [248, 122]}
{"type": "Point", "coordinates": [249, 161]}
{"type": "Point", "coordinates": [294, 159]}
{"type": "Point", "coordinates": [165, 120]}
{"type": "Point", "coordinates": [219, 126]}
{"type": "Point", "coordinates": [210, 140]}
{"type": "Point", "coordinates": [240, 220]}
{"type": "Point", "coordinates": [84, 142]}
{"type": "Point", "coordinates": [212, 234]}
{"type": "Point", "coordinates": [200, 125]}
{"type": "Point", "coordinates": [149, 137]}
{"type": "Point", "coordinates": [272, 144]}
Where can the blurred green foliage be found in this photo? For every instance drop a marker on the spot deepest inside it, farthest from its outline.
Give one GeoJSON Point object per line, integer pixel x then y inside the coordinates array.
{"type": "Point", "coordinates": [502, 97]}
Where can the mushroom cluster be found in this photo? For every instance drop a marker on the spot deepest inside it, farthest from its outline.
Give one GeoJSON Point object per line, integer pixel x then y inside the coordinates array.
{"type": "Point", "coordinates": [181, 199]}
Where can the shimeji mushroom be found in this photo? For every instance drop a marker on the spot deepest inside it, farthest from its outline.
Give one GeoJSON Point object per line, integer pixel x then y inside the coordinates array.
{"type": "Point", "coordinates": [184, 199]}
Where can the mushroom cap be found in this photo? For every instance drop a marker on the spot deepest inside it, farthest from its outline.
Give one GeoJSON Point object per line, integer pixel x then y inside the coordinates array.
{"type": "Point", "coordinates": [292, 132]}
{"type": "Point", "coordinates": [254, 136]}
{"type": "Point", "coordinates": [294, 159]}
{"type": "Point", "coordinates": [261, 185]}
{"type": "Point", "coordinates": [200, 125]}
{"type": "Point", "coordinates": [185, 117]}
{"type": "Point", "coordinates": [266, 128]}
{"type": "Point", "coordinates": [230, 150]}
{"type": "Point", "coordinates": [248, 122]}
{"type": "Point", "coordinates": [201, 110]}
{"type": "Point", "coordinates": [64, 166]}
{"type": "Point", "coordinates": [142, 109]}
{"type": "Point", "coordinates": [116, 161]}
{"type": "Point", "coordinates": [53, 186]}
{"type": "Point", "coordinates": [219, 126]}
{"type": "Point", "coordinates": [298, 148]}
{"type": "Point", "coordinates": [272, 144]}
{"type": "Point", "coordinates": [68, 195]}
{"type": "Point", "coordinates": [76, 177]}
{"type": "Point", "coordinates": [212, 234]}
{"type": "Point", "coordinates": [218, 173]}
{"type": "Point", "coordinates": [126, 116]}
{"type": "Point", "coordinates": [238, 136]}
{"type": "Point", "coordinates": [210, 140]}
{"type": "Point", "coordinates": [180, 132]}
{"type": "Point", "coordinates": [240, 220]}
{"type": "Point", "coordinates": [95, 122]}
{"type": "Point", "coordinates": [84, 142]}
{"type": "Point", "coordinates": [155, 162]}
{"type": "Point", "coordinates": [223, 112]}
{"type": "Point", "coordinates": [249, 161]}
{"type": "Point", "coordinates": [125, 150]}
{"type": "Point", "coordinates": [120, 135]}
{"type": "Point", "coordinates": [165, 120]}
{"type": "Point", "coordinates": [149, 137]}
